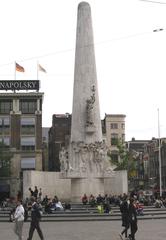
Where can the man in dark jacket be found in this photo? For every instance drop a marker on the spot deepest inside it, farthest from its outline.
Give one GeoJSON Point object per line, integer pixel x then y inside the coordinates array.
{"type": "Point", "coordinates": [35, 220]}
{"type": "Point", "coordinates": [124, 208]}
{"type": "Point", "coordinates": [132, 219]}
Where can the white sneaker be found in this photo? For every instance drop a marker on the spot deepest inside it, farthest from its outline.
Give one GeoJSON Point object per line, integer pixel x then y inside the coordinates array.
{"type": "Point", "coordinates": [121, 237]}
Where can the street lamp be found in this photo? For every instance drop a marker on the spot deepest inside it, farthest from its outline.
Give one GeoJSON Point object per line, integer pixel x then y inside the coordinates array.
{"type": "Point", "coordinates": [159, 156]}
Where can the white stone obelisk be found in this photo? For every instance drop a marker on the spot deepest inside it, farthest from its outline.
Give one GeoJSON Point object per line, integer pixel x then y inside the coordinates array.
{"type": "Point", "coordinates": [84, 160]}
{"type": "Point", "coordinates": [86, 121]}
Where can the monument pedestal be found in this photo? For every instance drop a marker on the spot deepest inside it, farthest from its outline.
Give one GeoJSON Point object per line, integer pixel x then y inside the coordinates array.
{"type": "Point", "coordinates": [80, 186]}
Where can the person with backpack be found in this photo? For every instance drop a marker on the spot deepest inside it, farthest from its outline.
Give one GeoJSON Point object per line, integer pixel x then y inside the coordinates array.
{"type": "Point", "coordinates": [35, 219]}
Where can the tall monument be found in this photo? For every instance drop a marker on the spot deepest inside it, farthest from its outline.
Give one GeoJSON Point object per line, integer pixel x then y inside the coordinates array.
{"type": "Point", "coordinates": [86, 121]}
{"type": "Point", "coordinates": [84, 160]}
{"type": "Point", "coordinates": [84, 164]}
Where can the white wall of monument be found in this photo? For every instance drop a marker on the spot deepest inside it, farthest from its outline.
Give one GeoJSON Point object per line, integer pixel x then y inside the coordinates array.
{"type": "Point", "coordinates": [52, 184]}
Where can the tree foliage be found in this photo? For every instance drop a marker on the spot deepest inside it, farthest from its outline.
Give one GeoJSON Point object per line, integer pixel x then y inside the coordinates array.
{"type": "Point", "coordinates": [5, 160]}
{"type": "Point", "coordinates": [125, 160]}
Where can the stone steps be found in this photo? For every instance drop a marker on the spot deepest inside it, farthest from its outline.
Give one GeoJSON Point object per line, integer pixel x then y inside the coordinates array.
{"type": "Point", "coordinates": [81, 213]}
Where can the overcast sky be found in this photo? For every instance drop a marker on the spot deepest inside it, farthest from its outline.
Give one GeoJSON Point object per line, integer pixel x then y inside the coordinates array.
{"type": "Point", "coordinates": [130, 57]}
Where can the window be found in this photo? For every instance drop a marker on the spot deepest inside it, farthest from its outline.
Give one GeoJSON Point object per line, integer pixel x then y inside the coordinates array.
{"type": "Point", "coordinates": [5, 106]}
{"type": "Point", "coordinates": [114, 138]}
{"type": "Point", "coordinates": [28, 106]}
{"type": "Point", "coordinates": [28, 143]}
{"type": "Point", "coordinates": [123, 126]}
{"type": "Point", "coordinates": [27, 126]}
{"type": "Point", "coordinates": [5, 140]}
{"type": "Point", "coordinates": [4, 125]}
{"type": "Point", "coordinates": [114, 157]}
{"type": "Point", "coordinates": [27, 130]}
{"type": "Point", "coordinates": [114, 126]}
{"type": "Point", "coordinates": [28, 163]}
{"type": "Point", "coordinates": [27, 121]}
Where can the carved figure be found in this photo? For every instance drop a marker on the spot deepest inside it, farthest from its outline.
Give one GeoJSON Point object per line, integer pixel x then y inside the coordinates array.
{"type": "Point", "coordinates": [89, 108]}
{"type": "Point", "coordinates": [82, 159]}
{"type": "Point", "coordinates": [98, 160]}
{"type": "Point", "coordinates": [63, 160]}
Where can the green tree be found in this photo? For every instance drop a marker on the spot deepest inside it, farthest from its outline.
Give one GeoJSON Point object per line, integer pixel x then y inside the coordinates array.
{"type": "Point", "coordinates": [125, 160]}
{"type": "Point", "coordinates": [5, 160]}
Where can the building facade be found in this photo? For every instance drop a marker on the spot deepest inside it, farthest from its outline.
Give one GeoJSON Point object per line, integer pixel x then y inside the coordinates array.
{"type": "Point", "coordinates": [147, 155]}
{"type": "Point", "coordinates": [113, 127]}
{"type": "Point", "coordinates": [156, 153]}
{"type": "Point", "coordinates": [21, 131]}
{"type": "Point", "coordinates": [139, 177]}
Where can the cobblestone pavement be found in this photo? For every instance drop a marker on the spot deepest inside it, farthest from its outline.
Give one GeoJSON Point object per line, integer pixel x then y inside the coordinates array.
{"type": "Point", "coordinates": [148, 230]}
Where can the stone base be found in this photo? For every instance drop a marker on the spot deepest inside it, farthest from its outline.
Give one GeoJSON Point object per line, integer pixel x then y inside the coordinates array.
{"type": "Point", "coordinates": [89, 186]}
{"type": "Point", "coordinates": [72, 189]}
{"type": "Point", "coordinates": [75, 174]}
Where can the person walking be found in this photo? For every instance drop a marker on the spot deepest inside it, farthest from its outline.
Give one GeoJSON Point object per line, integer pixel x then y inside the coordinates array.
{"type": "Point", "coordinates": [132, 219]}
{"type": "Point", "coordinates": [124, 209]}
{"type": "Point", "coordinates": [19, 219]}
{"type": "Point", "coordinates": [35, 220]}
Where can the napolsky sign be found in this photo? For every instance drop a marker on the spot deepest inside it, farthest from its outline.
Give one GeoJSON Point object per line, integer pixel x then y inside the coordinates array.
{"type": "Point", "coordinates": [19, 85]}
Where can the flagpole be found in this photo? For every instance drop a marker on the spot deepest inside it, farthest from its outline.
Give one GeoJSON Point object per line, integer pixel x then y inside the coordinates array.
{"type": "Point", "coordinates": [159, 156]}
{"type": "Point", "coordinates": [15, 70]}
{"type": "Point", "coordinates": [37, 70]}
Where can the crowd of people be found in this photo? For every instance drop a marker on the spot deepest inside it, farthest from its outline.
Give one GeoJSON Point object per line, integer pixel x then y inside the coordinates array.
{"type": "Point", "coordinates": [130, 207]}
{"type": "Point", "coordinates": [48, 204]}
{"type": "Point", "coordinates": [102, 203]}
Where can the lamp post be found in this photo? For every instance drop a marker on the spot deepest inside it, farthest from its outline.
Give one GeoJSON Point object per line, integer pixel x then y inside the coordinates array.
{"type": "Point", "coordinates": [159, 156]}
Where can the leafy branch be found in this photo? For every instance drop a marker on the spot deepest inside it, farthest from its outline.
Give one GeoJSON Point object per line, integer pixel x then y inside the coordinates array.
{"type": "Point", "coordinates": [125, 160]}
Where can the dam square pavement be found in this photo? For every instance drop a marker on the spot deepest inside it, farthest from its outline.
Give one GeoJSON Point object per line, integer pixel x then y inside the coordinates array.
{"type": "Point", "coordinates": [94, 230]}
